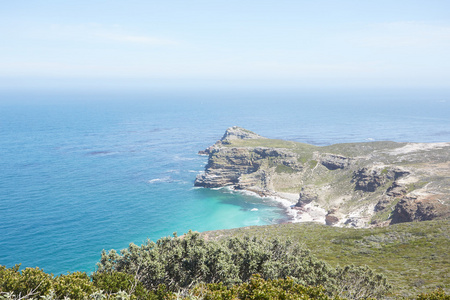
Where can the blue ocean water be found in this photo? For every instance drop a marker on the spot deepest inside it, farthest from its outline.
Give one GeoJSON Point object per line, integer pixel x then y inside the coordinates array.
{"type": "Point", "coordinates": [82, 172]}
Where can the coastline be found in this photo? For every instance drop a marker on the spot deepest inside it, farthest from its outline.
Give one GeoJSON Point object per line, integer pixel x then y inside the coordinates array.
{"type": "Point", "coordinates": [308, 213]}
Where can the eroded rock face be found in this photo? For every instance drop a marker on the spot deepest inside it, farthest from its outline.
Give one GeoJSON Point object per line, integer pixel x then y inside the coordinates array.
{"type": "Point", "coordinates": [367, 180]}
{"type": "Point", "coordinates": [383, 203]}
{"type": "Point", "coordinates": [225, 166]}
{"type": "Point", "coordinates": [334, 162]}
{"type": "Point", "coordinates": [274, 153]}
{"type": "Point", "coordinates": [396, 190]}
{"type": "Point", "coordinates": [307, 195]}
{"type": "Point", "coordinates": [411, 209]}
{"type": "Point", "coordinates": [397, 172]}
{"type": "Point", "coordinates": [228, 166]}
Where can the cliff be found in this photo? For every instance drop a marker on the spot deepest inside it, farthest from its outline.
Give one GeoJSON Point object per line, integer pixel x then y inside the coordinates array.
{"type": "Point", "coordinates": [357, 184]}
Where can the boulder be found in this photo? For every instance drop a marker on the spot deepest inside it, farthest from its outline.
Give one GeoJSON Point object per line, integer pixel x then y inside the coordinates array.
{"type": "Point", "coordinates": [331, 219]}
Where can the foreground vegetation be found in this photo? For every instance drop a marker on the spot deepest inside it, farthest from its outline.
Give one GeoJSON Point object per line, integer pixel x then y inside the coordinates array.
{"type": "Point", "coordinates": [223, 264]}
{"type": "Point", "coordinates": [413, 256]}
{"type": "Point", "coordinates": [181, 263]}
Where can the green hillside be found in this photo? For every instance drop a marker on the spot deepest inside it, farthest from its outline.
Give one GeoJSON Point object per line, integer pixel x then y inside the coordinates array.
{"type": "Point", "coordinates": [413, 256]}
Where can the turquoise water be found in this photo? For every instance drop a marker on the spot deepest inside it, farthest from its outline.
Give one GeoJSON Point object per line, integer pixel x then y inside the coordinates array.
{"type": "Point", "coordinates": [82, 172]}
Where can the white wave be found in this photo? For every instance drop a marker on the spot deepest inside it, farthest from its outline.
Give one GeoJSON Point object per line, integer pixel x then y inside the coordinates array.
{"type": "Point", "coordinates": [157, 180]}
{"type": "Point", "coordinates": [254, 209]}
{"type": "Point", "coordinates": [217, 189]}
{"type": "Point", "coordinates": [310, 213]}
{"type": "Point", "coordinates": [167, 179]}
{"type": "Point", "coordinates": [181, 158]}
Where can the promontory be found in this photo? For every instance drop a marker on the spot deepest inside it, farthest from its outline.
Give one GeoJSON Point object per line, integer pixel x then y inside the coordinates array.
{"type": "Point", "coordinates": [355, 184]}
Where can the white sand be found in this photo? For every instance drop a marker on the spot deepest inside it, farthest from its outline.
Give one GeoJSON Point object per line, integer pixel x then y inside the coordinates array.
{"type": "Point", "coordinates": [415, 147]}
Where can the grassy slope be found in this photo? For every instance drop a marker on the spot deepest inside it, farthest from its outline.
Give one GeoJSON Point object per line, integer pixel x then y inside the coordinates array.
{"type": "Point", "coordinates": [351, 149]}
{"type": "Point", "coordinates": [414, 256]}
{"type": "Point", "coordinates": [272, 143]}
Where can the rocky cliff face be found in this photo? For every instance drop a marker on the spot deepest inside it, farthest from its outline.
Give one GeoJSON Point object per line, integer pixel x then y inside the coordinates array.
{"type": "Point", "coordinates": [358, 184]}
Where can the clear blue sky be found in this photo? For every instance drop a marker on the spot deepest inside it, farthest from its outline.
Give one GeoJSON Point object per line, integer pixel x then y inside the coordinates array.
{"type": "Point", "coordinates": [348, 43]}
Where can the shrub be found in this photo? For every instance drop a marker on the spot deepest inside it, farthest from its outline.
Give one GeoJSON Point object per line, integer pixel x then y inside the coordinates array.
{"type": "Point", "coordinates": [258, 288]}
{"type": "Point", "coordinates": [29, 283]}
{"type": "Point", "coordinates": [181, 263]}
{"type": "Point", "coordinates": [73, 285]}
{"type": "Point", "coordinates": [360, 283]}
{"type": "Point", "coordinates": [118, 283]}
{"type": "Point", "coordinates": [438, 294]}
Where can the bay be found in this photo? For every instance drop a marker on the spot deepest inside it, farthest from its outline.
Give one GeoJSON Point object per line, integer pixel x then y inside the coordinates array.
{"type": "Point", "coordinates": [86, 171]}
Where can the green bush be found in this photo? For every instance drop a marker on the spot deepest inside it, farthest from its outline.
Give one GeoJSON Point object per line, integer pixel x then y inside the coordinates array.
{"type": "Point", "coordinates": [74, 286]}
{"type": "Point", "coordinates": [360, 283]}
{"type": "Point", "coordinates": [29, 283]}
{"type": "Point", "coordinates": [439, 294]}
{"type": "Point", "coordinates": [260, 289]}
{"type": "Point", "coordinates": [116, 282]}
{"type": "Point", "coordinates": [181, 263]}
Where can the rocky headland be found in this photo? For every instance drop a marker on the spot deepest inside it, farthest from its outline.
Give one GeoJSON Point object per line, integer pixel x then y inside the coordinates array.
{"type": "Point", "coordinates": [355, 184]}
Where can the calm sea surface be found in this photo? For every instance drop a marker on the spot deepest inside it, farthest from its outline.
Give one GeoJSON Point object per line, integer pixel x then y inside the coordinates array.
{"type": "Point", "coordinates": [82, 172]}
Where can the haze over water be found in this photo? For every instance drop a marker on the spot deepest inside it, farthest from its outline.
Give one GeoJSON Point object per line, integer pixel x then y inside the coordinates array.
{"type": "Point", "coordinates": [82, 172]}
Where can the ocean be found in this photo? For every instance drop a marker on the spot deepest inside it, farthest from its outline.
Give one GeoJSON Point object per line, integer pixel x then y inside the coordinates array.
{"type": "Point", "coordinates": [86, 171]}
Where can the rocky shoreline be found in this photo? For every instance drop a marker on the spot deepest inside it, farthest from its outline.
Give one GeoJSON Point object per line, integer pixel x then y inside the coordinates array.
{"type": "Point", "coordinates": [357, 185]}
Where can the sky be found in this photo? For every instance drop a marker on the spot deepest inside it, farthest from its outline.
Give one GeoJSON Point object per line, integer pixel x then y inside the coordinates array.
{"type": "Point", "coordinates": [174, 43]}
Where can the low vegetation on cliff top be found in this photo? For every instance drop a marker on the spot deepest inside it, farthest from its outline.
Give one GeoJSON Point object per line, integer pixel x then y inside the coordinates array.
{"type": "Point", "coordinates": [413, 256]}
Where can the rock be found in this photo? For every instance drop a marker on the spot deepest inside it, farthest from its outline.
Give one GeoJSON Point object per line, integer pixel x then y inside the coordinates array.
{"type": "Point", "coordinates": [334, 162]}
{"type": "Point", "coordinates": [355, 222]}
{"type": "Point", "coordinates": [203, 152]}
{"type": "Point", "coordinates": [383, 203]}
{"type": "Point", "coordinates": [238, 133]}
{"type": "Point", "coordinates": [232, 133]}
{"type": "Point", "coordinates": [225, 167]}
{"type": "Point", "coordinates": [265, 152]}
{"type": "Point", "coordinates": [411, 209]}
{"type": "Point", "coordinates": [367, 180]}
{"type": "Point", "coordinates": [398, 172]}
{"type": "Point", "coordinates": [396, 190]}
{"type": "Point", "coordinates": [331, 219]}
{"type": "Point", "coordinates": [307, 195]}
